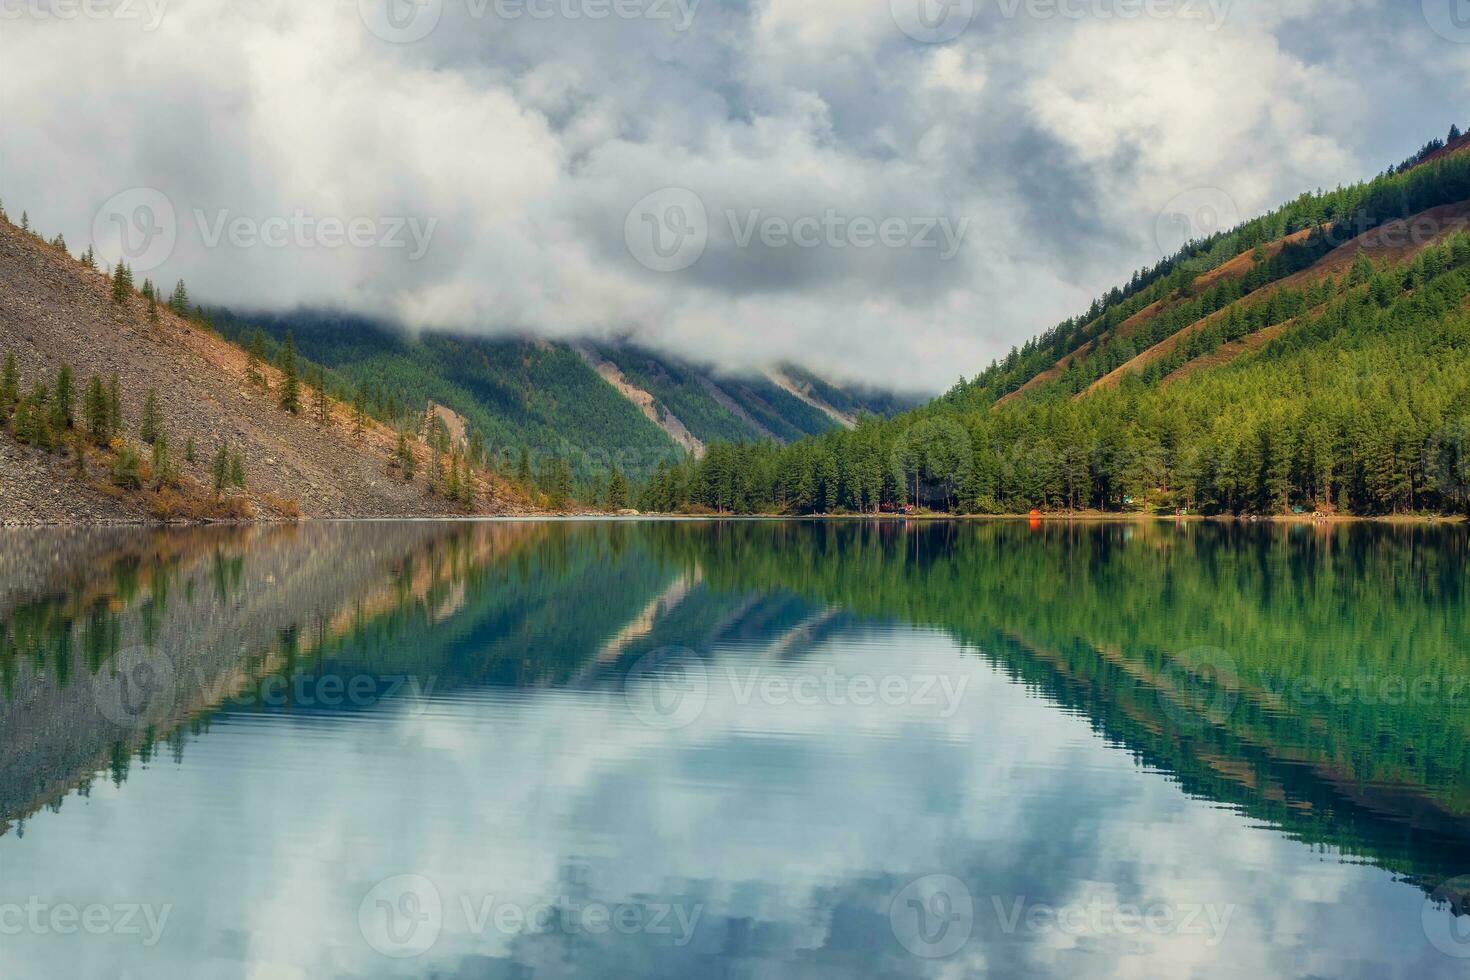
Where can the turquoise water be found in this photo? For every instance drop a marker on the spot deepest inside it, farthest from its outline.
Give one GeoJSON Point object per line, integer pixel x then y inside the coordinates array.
{"type": "Point", "coordinates": [754, 749]}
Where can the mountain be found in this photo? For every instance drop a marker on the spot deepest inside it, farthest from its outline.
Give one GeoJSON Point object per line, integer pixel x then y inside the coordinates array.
{"type": "Point", "coordinates": [1315, 359]}
{"type": "Point", "coordinates": [115, 407]}
{"type": "Point", "coordinates": [596, 403]}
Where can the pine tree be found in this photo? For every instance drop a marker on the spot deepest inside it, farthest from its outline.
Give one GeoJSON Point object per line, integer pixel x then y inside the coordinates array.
{"type": "Point", "coordinates": [115, 424]}
{"type": "Point", "coordinates": [153, 318]}
{"type": "Point", "coordinates": [151, 424]}
{"type": "Point", "coordinates": [25, 221]}
{"type": "Point", "coordinates": [467, 487]}
{"type": "Point", "coordinates": [237, 470]}
{"type": "Point", "coordinates": [9, 386]}
{"type": "Point", "coordinates": [359, 413]}
{"type": "Point", "coordinates": [89, 258]}
{"type": "Point", "coordinates": [290, 397]}
{"type": "Point", "coordinates": [122, 282]}
{"type": "Point", "coordinates": [320, 401]}
{"type": "Point", "coordinates": [64, 401]}
{"type": "Point", "coordinates": [523, 467]}
{"type": "Point", "coordinates": [254, 354]}
{"type": "Point", "coordinates": [179, 301]}
{"type": "Point", "coordinates": [189, 450]}
{"type": "Point", "coordinates": [163, 467]}
{"type": "Point", "coordinates": [404, 456]}
{"type": "Point", "coordinates": [219, 470]}
{"type": "Point", "coordinates": [96, 411]}
{"type": "Point", "coordinates": [617, 490]}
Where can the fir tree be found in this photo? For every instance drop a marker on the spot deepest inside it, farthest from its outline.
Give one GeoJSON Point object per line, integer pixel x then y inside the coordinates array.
{"type": "Point", "coordinates": [115, 424]}
{"type": "Point", "coordinates": [163, 469]}
{"type": "Point", "coordinates": [151, 423]}
{"type": "Point", "coordinates": [179, 301]}
{"type": "Point", "coordinates": [290, 396]}
{"type": "Point", "coordinates": [321, 403]}
{"type": "Point", "coordinates": [64, 401]}
{"type": "Point", "coordinates": [404, 457]}
{"type": "Point", "coordinates": [9, 386]}
{"type": "Point", "coordinates": [189, 450]}
{"type": "Point", "coordinates": [96, 411]}
{"type": "Point", "coordinates": [359, 413]}
{"type": "Point", "coordinates": [219, 470]}
{"type": "Point", "coordinates": [254, 354]}
{"type": "Point", "coordinates": [617, 490]}
{"type": "Point", "coordinates": [122, 282]}
{"type": "Point", "coordinates": [237, 469]}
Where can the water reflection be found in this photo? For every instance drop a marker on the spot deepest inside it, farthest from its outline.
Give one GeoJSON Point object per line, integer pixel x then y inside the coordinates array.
{"type": "Point", "coordinates": [762, 749]}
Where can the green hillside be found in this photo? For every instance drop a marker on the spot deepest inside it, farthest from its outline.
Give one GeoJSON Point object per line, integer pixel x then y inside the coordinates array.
{"type": "Point", "coordinates": [543, 396]}
{"type": "Point", "coordinates": [1314, 359]}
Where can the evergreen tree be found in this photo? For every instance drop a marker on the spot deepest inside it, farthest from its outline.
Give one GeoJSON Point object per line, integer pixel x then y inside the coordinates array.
{"type": "Point", "coordinates": [115, 423]}
{"type": "Point", "coordinates": [617, 490]}
{"type": "Point", "coordinates": [403, 456]}
{"type": "Point", "coordinates": [219, 470]}
{"type": "Point", "coordinates": [290, 394]}
{"type": "Point", "coordinates": [320, 400]}
{"type": "Point", "coordinates": [151, 423]}
{"type": "Point", "coordinates": [164, 473]}
{"type": "Point", "coordinates": [359, 413]}
{"type": "Point", "coordinates": [63, 401]}
{"type": "Point", "coordinates": [122, 282]}
{"type": "Point", "coordinates": [237, 470]}
{"type": "Point", "coordinates": [189, 450]}
{"type": "Point", "coordinates": [254, 355]}
{"type": "Point", "coordinates": [9, 386]}
{"type": "Point", "coordinates": [179, 301]}
{"type": "Point", "coordinates": [96, 411]}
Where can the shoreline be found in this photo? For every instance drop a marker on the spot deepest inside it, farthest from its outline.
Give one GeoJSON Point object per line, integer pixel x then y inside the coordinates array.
{"type": "Point", "coordinates": [1087, 517]}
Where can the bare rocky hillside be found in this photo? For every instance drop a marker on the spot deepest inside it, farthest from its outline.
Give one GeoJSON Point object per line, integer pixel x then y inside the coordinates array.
{"type": "Point", "coordinates": [55, 310]}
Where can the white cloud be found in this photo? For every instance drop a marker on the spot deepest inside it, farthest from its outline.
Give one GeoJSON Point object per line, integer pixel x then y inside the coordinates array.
{"type": "Point", "coordinates": [527, 141]}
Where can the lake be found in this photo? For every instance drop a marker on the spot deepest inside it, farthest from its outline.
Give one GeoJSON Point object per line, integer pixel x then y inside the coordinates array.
{"type": "Point", "coordinates": [735, 749]}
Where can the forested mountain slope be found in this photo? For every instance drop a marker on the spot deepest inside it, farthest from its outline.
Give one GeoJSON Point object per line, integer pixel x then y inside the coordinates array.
{"type": "Point", "coordinates": [598, 404]}
{"type": "Point", "coordinates": [1313, 359]}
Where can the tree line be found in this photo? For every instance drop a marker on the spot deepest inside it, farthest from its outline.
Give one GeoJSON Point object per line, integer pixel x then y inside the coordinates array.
{"type": "Point", "coordinates": [1363, 408]}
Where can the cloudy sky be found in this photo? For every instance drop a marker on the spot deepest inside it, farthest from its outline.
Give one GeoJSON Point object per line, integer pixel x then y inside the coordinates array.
{"type": "Point", "coordinates": [887, 191]}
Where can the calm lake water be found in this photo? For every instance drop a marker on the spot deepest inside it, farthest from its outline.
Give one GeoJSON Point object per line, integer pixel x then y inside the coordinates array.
{"type": "Point", "coordinates": [746, 749]}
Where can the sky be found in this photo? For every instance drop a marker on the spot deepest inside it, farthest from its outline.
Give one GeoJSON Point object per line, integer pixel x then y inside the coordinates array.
{"type": "Point", "coordinates": [886, 191]}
